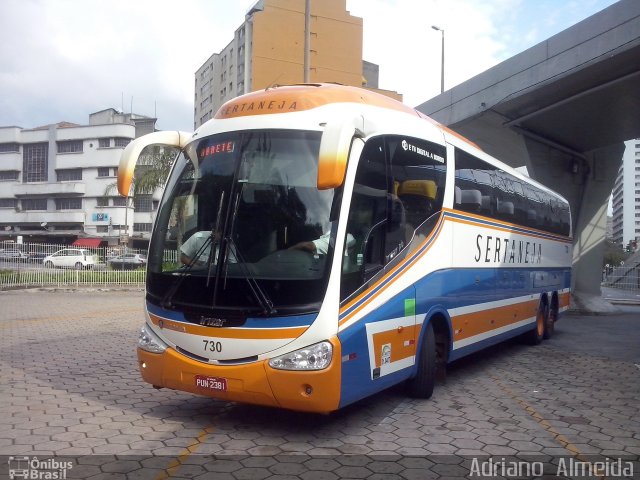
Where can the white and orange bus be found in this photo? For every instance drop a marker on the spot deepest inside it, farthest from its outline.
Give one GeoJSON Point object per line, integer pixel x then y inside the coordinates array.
{"type": "Point", "coordinates": [316, 244]}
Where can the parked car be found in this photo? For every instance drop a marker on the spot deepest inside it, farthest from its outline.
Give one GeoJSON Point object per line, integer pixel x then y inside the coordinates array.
{"type": "Point", "coordinates": [12, 255]}
{"type": "Point", "coordinates": [37, 257]}
{"type": "Point", "coordinates": [127, 261]}
{"type": "Point", "coordinates": [77, 258]}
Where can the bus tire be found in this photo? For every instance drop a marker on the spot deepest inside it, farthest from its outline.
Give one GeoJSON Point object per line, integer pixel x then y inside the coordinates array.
{"type": "Point", "coordinates": [552, 317]}
{"type": "Point", "coordinates": [535, 336]}
{"type": "Point", "coordinates": [421, 386]}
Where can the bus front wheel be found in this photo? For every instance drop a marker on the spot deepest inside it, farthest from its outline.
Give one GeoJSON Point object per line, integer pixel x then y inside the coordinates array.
{"type": "Point", "coordinates": [421, 386]}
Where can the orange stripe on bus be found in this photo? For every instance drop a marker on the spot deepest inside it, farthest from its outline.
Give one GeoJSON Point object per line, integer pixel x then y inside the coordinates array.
{"type": "Point", "coordinates": [509, 226]}
{"type": "Point", "coordinates": [401, 340]}
{"type": "Point", "coordinates": [297, 98]}
{"type": "Point", "coordinates": [471, 324]}
{"type": "Point", "coordinates": [237, 333]}
{"type": "Point", "coordinates": [564, 299]}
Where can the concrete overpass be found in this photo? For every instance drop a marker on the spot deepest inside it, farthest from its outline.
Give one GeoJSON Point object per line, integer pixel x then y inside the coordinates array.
{"type": "Point", "coordinates": [563, 109]}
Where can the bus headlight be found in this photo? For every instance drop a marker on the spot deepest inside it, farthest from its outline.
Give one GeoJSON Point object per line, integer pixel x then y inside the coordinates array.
{"type": "Point", "coordinates": [149, 341]}
{"type": "Point", "coordinates": [314, 357]}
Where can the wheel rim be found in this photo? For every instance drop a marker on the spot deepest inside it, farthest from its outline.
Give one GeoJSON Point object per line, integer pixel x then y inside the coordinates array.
{"type": "Point", "coordinates": [540, 323]}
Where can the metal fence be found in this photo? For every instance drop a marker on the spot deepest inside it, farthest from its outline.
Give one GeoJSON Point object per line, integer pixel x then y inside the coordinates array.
{"type": "Point", "coordinates": [21, 265]}
{"type": "Point", "coordinates": [623, 278]}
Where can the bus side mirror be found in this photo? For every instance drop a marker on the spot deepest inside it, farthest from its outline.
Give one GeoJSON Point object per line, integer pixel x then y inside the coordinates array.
{"type": "Point", "coordinates": [130, 155]}
{"type": "Point", "coordinates": [334, 153]}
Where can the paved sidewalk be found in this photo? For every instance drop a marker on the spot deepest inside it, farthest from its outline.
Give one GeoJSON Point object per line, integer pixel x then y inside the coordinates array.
{"type": "Point", "coordinates": [70, 391]}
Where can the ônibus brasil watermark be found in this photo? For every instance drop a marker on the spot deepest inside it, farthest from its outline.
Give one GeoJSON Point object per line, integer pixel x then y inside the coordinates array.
{"type": "Point", "coordinates": [35, 469]}
{"type": "Point", "coordinates": [566, 467]}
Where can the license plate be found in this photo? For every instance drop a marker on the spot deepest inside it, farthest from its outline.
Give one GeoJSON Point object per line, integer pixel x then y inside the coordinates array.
{"type": "Point", "coordinates": [211, 383]}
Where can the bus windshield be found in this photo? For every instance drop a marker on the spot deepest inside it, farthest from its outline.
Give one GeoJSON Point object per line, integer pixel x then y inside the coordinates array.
{"type": "Point", "coordinates": [242, 226]}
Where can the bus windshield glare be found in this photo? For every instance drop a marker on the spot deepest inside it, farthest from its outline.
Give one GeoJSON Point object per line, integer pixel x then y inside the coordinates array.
{"type": "Point", "coordinates": [242, 226]}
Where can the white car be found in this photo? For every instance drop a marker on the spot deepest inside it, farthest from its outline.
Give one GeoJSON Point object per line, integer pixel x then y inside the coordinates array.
{"type": "Point", "coordinates": [77, 258]}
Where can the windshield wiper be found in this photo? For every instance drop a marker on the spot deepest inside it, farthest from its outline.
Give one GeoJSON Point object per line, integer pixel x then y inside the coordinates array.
{"type": "Point", "coordinates": [210, 243]}
{"type": "Point", "coordinates": [166, 300]}
{"type": "Point", "coordinates": [259, 294]}
{"type": "Point", "coordinates": [214, 242]}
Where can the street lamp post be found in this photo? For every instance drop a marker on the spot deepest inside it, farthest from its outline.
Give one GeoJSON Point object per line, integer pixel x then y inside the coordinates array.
{"type": "Point", "coordinates": [442, 63]}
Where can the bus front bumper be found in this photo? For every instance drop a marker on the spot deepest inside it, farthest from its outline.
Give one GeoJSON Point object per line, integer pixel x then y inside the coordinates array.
{"type": "Point", "coordinates": [256, 383]}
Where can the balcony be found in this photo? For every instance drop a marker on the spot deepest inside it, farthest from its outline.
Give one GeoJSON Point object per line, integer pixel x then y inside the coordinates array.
{"type": "Point", "coordinates": [49, 189]}
{"type": "Point", "coordinates": [9, 216]}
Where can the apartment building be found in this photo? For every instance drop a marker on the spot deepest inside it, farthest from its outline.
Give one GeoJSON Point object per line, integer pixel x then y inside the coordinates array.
{"type": "Point", "coordinates": [626, 197]}
{"type": "Point", "coordinates": [268, 49]}
{"type": "Point", "coordinates": [53, 181]}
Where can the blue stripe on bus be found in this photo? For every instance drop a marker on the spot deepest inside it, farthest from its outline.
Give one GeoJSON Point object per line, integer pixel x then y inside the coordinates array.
{"type": "Point", "coordinates": [485, 221]}
{"type": "Point", "coordinates": [405, 264]}
{"type": "Point", "coordinates": [251, 322]}
{"type": "Point", "coordinates": [440, 291]}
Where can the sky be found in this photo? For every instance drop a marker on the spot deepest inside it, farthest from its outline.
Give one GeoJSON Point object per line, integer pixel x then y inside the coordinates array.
{"type": "Point", "coordinates": [62, 60]}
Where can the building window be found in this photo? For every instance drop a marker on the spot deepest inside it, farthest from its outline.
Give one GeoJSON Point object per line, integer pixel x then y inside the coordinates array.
{"type": "Point", "coordinates": [69, 174]}
{"type": "Point", "coordinates": [9, 175]}
{"type": "Point", "coordinates": [143, 203]}
{"type": "Point", "coordinates": [34, 203]}
{"type": "Point", "coordinates": [8, 202]}
{"type": "Point", "coordinates": [103, 201]}
{"type": "Point", "coordinates": [142, 227]}
{"type": "Point", "coordinates": [9, 148]}
{"type": "Point", "coordinates": [104, 142]}
{"type": "Point", "coordinates": [119, 201]}
{"type": "Point", "coordinates": [69, 203]}
{"type": "Point", "coordinates": [104, 171]}
{"type": "Point", "coordinates": [121, 142]}
{"type": "Point", "coordinates": [70, 146]}
{"type": "Point", "coordinates": [35, 160]}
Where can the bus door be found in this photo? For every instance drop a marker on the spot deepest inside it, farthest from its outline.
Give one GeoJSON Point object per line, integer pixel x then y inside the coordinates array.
{"type": "Point", "coordinates": [397, 195]}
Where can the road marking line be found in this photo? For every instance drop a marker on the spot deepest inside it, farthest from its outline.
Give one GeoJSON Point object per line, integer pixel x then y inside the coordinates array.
{"type": "Point", "coordinates": [177, 462]}
{"type": "Point", "coordinates": [558, 437]}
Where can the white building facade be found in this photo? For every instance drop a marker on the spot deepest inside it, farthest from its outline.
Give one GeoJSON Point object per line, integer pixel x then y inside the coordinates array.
{"type": "Point", "coordinates": [626, 197]}
{"type": "Point", "coordinates": [53, 181]}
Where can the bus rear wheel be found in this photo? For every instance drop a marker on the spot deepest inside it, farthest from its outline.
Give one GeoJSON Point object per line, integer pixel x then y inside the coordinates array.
{"type": "Point", "coordinates": [535, 336]}
{"type": "Point", "coordinates": [550, 324]}
{"type": "Point", "coordinates": [421, 386]}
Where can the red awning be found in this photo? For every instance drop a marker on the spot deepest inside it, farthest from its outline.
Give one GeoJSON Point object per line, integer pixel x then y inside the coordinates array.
{"type": "Point", "coordinates": [87, 242]}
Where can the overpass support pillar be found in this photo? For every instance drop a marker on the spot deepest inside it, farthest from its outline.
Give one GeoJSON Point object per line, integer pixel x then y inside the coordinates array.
{"type": "Point", "coordinates": [586, 182]}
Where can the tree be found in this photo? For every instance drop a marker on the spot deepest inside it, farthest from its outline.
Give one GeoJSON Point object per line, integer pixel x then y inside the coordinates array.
{"type": "Point", "coordinates": [151, 173]}
{"type": "Point", "coordinates": [613, 254]}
